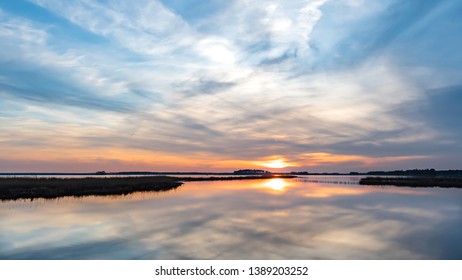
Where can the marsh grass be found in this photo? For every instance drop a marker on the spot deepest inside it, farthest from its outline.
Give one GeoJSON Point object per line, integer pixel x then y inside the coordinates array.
{"type": "Point", "coordinates": [413, 181]}
{"type": "Point", "coordinates": [12, 188]}
{"type": "Point", "coordinates": [30, 188]}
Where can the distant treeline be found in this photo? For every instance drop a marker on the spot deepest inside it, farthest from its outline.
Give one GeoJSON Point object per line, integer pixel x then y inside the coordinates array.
{"type": "Point", "coordinates": [414, 181]}
{"type": "Point", "coordinates": [410, 172]}
{"type": "Point", "coordinates": [419, 172]}
{"type": "Point", "coordinates": [250, 172]}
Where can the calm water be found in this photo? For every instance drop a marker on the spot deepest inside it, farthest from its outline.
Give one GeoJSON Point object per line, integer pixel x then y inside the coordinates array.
{"type": "Point", "coordinates": [255, 219]}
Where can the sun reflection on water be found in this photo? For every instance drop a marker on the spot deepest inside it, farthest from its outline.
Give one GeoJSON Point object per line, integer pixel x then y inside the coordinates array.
{"type": "Point", "coordinates": [275, 184]}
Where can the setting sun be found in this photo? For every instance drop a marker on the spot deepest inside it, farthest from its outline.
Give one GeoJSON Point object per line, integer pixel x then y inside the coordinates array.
{"type": "Point", "coordinates": [277, 163]}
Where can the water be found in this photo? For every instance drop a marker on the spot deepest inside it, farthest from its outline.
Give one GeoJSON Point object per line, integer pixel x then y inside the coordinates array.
{"type": "Point", "coordinates": [253, 219]}
{"type": "Point", "coordinates": [114, 175]}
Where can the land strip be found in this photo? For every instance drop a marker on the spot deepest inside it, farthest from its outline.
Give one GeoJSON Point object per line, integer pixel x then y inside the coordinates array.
{"type": "Point", "coordinates": [413, 181]}
{"type": "Point", "coordinates": [12, 188]}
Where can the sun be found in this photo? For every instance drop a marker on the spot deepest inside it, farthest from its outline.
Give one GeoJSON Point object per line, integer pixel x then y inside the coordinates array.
{"type": "Point", "coordinates": [276, 163]}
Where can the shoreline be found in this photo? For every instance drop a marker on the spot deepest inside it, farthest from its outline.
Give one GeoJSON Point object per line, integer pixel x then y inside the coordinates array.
{"type": "Point", "coordinates": [416, 182]}
{"type": "Point", "coordinates": [14, 188]}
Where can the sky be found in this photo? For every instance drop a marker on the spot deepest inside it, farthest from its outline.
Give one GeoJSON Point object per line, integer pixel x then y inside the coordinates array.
{"type": "Point", "coordinates": [189, 85]}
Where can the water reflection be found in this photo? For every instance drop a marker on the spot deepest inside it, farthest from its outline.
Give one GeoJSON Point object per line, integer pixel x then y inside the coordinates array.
{"type": "Point", "coordinates": [257, 219]}
{"type": "Point", "coordinates": [276, 184]}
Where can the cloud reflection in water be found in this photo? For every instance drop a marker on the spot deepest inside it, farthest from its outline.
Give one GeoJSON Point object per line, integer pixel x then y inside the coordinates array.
{"type": "Point", "coordinates": [267, 219]}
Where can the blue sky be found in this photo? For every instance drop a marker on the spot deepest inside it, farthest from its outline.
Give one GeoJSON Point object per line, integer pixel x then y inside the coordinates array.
{"type": "Point", "coordinates": [317, 85]}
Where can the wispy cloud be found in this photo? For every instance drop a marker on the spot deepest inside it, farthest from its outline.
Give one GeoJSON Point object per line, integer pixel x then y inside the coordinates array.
{"type": "Point", "coordinates": [242, 81]}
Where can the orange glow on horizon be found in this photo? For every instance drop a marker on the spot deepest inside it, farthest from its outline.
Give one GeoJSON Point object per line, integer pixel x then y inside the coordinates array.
{"type": "Point", "coordinates": [276, 163]}
{"type": "Point", "coordinates": [72, 157]}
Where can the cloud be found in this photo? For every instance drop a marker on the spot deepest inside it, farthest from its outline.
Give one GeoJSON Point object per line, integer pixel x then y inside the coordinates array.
{"type": "Point", "coordinates": [442, 109]}
{"type": "Point", "coordinates": [240, 81]}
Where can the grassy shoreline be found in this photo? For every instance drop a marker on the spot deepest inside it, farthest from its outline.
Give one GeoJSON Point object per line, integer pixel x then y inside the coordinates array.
{"type": "Point", "coordinates": [30, 188]}
{"type": "Point", "coordinates": [13, 188]}
{"type": "Point", "coordinates": [422, 182]}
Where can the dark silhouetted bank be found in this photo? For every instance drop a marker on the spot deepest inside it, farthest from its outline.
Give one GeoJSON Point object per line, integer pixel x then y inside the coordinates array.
{"type": "Point", "coordinates": [12, 188]}
{"type": "Point", "coordinates": [413, 182]}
